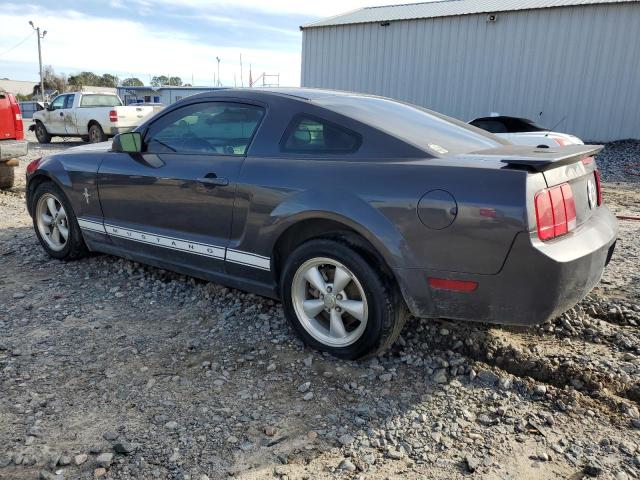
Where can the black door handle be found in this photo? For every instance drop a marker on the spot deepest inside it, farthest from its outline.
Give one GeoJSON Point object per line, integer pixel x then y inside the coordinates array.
{"type": "Point", "coordinates": [61, 114]}
{"type": "Point", "coordinates": [213, 180]}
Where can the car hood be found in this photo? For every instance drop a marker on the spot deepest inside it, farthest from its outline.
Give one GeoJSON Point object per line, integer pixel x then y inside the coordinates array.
{"type": "Point", "coordinates": [101, 147]}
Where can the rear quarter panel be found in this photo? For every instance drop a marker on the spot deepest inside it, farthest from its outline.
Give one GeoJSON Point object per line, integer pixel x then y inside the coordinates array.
{"type": "Point", "coordinates": [379, 199]}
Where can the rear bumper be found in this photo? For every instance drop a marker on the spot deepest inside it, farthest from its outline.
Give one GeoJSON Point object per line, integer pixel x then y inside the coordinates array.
{"type": "Point", "coordinates": [538, 281]}
{"type": "Point", "coordinates": [13, 149]}
{"type": "Point", "coordinates": [117, 130]}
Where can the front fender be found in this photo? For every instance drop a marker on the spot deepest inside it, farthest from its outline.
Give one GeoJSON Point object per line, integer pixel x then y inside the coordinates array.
{"type": "Point", "coordinates": [50, 169]}
{"type": "Point", "coordinates": [73, 172]}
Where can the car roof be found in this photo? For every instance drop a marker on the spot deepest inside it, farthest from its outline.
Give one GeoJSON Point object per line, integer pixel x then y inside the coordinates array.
{"type": "Point", "coordinates": [296, 93]}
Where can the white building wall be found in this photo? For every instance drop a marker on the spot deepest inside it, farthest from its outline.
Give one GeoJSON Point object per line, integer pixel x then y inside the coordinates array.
{"type": "Point", "coordinates": [579, 66]}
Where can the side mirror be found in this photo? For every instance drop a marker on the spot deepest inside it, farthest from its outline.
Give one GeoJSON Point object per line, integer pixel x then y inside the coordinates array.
{"type": "Point", "coordinates": [50, 108]}
{"type": "Point", "coordinates": [130, 142]}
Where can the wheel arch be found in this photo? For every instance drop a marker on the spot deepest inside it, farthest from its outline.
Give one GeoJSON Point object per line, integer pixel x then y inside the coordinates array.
{"type": "Point", "coordinates": [41, 176]}
{"type": "Point", "coordinates": [329, 226]}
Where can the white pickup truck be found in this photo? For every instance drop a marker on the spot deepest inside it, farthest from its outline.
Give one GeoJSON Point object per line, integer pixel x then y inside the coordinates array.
{"type": "Point", "coordinates": [94, 117]}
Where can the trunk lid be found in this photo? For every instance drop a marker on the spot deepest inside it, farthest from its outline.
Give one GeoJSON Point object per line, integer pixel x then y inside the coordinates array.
{"type": "Point", "coordinates": [572, 164]}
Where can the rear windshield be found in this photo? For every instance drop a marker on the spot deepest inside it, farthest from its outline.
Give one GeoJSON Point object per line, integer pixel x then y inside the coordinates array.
{"type": "Point", "coordinates": [507, 125]}
{"type": "Point", "coordinates": [425, 129]}
{"type": "Point", "coordinates": [96, 100]}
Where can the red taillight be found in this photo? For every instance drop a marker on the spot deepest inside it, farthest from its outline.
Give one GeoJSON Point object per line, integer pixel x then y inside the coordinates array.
{"type": "Point", "coordinates": [587, 160]}
{"type": "Point", "coordinates": [455, 285]}
{"type": "Point", "coordinates": [17, 115]}
{"type": "Point", "coordinates": [33, 165]}
{"type": "Point", "coordinates": [113, 116]}
{"type": "Point", "coordinates": [598, 186]}
{"type": "Point", "coordinates": [555, 211]}
{"type": "Point", "coordinates": [544, 215]}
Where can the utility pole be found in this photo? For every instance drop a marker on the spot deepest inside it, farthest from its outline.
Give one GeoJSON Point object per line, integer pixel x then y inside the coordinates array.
{"type": "Point", "coordinates": [219, 83]}
{"type": "Point", "coordinates": [37, 29]}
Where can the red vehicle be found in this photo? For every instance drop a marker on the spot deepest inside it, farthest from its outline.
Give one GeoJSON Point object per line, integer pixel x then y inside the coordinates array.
{"type": "Point", "coordinates": [12, 142]}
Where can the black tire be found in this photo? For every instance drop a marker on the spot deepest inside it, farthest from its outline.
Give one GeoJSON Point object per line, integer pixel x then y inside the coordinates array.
{"type": "Point", "coordinates": [7, 176]}
{"type": "Point", "coordinates": [84, 138]}
{"type": "Point", "coordinates": [41, 133]}
{"type": "Point", "coordinates": [75, 247]}
{"type": "Point", "coordinates": [387, 311]}
{"type": "Point", "coordinates": [96, 135]}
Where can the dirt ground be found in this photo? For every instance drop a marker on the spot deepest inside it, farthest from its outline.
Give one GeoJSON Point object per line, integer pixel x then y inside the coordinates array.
{"type": "Point", "coordinates": [116, 370]}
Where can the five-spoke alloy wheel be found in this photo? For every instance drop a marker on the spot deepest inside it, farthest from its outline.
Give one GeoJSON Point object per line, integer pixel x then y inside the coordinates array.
{"type": "Point", "coordinates": [55, 223]}
{"type": "Point", "coordinates": [329, 302]}
{"type": "Point", "coordinates": [52, 222]}
{"type": "Point", "coordinates": [337, 302]}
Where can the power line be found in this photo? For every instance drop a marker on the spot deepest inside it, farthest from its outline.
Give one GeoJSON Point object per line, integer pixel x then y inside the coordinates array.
{"type": "Point", "coordinates": [18, 44]}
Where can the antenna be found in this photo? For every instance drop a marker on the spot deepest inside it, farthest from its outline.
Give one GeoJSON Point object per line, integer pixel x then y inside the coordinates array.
{"type": "Point", "coordinates": [241, 79]}
{"type": "Point", "coordinates": [554, 127]}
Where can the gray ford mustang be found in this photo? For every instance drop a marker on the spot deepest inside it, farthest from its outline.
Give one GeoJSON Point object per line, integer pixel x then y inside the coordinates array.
{"type": "Point", "coordinates": [354, 210]}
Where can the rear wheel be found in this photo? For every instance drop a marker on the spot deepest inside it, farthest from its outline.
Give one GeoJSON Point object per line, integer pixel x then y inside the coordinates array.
{"type": "Point", "coordinates": [55, 223]}
{"type": "Point", "coordinates": [96, 135]}
{"type": "Point", "coordinates": [337, 302]}
{"type": "Point", "coordinates": [41, 133]}
{"type": "Point", "coordinates": [7, 176]}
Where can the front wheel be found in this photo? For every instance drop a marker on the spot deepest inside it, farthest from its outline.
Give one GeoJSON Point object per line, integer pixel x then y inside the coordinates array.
{"type": "Point", "coordinates": [96, 135]}
{"type": "Point", "coordinates": [55, 223]}
{"type": "Point", "coordinates": [338, 303]}
{"type": "Point", "coordinates": [41, 133]}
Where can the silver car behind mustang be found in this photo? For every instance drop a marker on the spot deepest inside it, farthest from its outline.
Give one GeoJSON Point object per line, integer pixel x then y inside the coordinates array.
{"type": "Point", "coordinates": [354, 210]}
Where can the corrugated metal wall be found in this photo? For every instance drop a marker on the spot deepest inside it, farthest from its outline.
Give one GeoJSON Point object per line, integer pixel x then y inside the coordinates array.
{"type": "Point", "coordinates": [582, 63]}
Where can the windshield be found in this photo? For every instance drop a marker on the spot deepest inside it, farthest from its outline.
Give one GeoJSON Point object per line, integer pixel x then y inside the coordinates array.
{"type": "Point", "coordinates": [428, 130]}
{"type": "Point", "coordinates": [97, 100]}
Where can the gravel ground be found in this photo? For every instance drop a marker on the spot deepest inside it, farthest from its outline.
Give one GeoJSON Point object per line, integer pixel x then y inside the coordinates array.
{"type": "Point", "coordinates": [112, 369]}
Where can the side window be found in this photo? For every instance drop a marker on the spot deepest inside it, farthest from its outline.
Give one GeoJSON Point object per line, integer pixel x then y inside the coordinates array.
{"type": "Point", "coordinates": [213, 127]}
{"type": "Point", "coordinates": [313, 135]}
{"type": "Point", "coordinates": [59, 102]}
{"type": "Point", "coordinates": [69, 102]}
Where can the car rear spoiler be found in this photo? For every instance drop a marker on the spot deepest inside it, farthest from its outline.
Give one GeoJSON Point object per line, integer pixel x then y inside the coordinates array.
{"type": "Point", "coordinates": [536, 158]}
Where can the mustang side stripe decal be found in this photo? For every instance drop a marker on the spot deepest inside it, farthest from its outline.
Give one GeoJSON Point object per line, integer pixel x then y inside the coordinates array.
{"type": "Point", "coordinates": [166, 242]}
{"type": "Point", "coordinates": [91, 225]}
{"type": "Point", "coordinates": [250, 259]}
{"type": "Point", "coordinates": [235, 256]}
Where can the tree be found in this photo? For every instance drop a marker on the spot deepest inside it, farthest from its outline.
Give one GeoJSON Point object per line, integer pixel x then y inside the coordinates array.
{"type": "Point", "coordinates": [84, 79]}
{"type": "Point", "coordinates": [108, 80]}
{"type": "Point", "coordinates": [132, 82]}
{"type": "Point", "coordinates": [164, 80]}
{"type": "Point", "coordinates": [159, 81]}
{"type": "Point", "coordinates": [51, 80]}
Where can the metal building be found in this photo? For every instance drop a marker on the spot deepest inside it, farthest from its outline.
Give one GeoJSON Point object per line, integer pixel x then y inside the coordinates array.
{"type": "Point", "coordinates": [165, 95]}
{"type": "Point", "coordinates": [570, 63]}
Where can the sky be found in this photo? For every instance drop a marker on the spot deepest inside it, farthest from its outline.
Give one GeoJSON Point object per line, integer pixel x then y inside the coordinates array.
{"type": "Point", "coordinates": [144, 38]}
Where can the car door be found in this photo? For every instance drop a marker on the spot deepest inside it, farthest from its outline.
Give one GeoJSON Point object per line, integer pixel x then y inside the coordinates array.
{"type": "Point", "coordinates": [54, 116]}
{"type": "Point", "coordinates": [173, 203]}
{"type": "Point", "coordinates": [69, 115]}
